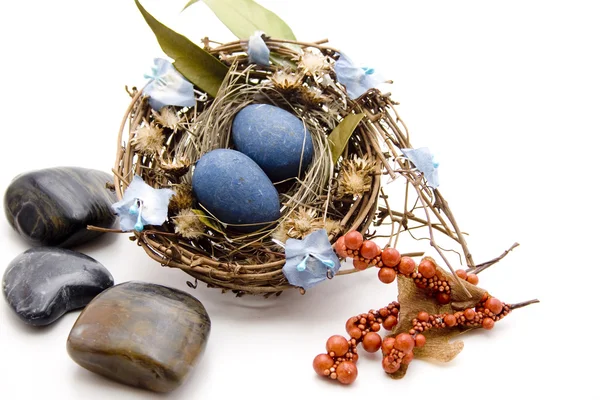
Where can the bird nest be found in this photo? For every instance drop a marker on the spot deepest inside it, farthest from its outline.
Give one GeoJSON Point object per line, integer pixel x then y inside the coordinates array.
{"type": "Point", "coordinates": [357, 145]}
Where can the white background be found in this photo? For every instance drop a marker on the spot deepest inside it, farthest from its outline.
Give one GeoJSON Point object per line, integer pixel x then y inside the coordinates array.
{"type": "Point", "coordinates": [506, 94]}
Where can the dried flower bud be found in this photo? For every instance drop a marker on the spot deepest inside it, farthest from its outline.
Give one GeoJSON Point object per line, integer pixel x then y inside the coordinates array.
{"type": "Point", "coordinates": [148, 139]}
{"type": "Point", "coordinates": [167, 117]}
{"type": "Point", "coordinates": [183, 198]}
{"type": "Point", "coordinates": [188, 224]}
{"type": "Point", "coordinates": [332, 227]}
{"type": "Point", "coordinates": [286, 81]}
{"type": "Point", "coordinates": [313, 62]}
{"type": "Point", "coordinates": [177, 167]}
{"type": "Point", "coordinates": [313, 95]}
{"type": "Point", "coordinates": [355, 176]}
{"type": "Point", "coordinates": [301, 223]}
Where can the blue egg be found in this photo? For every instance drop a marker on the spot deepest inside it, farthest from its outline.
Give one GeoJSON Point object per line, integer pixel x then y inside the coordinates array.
{"type": "Point", "coordinates": [235, 190]}
{"type": "Point", "coordinates": [275, 139]}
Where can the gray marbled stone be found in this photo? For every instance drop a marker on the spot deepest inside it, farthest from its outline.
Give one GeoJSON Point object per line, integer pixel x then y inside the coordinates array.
{"type": "Point", "coordinates": [141, 334]}
{"type": "Point", "coordinates": [43, 283]}
{"type": "Point", "coordinates": [54, 206]}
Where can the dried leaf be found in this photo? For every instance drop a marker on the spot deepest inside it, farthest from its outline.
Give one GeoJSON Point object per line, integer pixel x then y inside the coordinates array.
{"type": "Point", "coordinates": [413, 300]}
{"type": "Point", "coordinates": [400, 373]}
{"type": "Point", "coordinates": [439, 347]}
{"type": "Point", "coordinates": [460, 299]}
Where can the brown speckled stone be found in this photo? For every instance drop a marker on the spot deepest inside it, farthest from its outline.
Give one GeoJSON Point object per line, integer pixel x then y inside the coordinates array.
{"type": "Point", "coordinates": [141, 334]}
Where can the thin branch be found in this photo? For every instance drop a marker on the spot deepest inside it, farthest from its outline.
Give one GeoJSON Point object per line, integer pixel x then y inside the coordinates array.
{"type": "Point", "coordinates": [523, 304]}
{"type": "Point", "coordinates": [432, 239]}
{"type": "Point", "coordinates": [105, 230]}
{"type": "Point", "coordinates": [483, 266]}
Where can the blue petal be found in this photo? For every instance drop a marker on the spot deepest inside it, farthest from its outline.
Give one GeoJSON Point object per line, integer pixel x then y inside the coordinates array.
{"type": "Point", "coordinates": [126, 219]}
{"type": "Point", "coordinates": [167, 87]}
{"type": "Point", "coordinates": [424, 162]}
{"type": "Point", "coordinates": [155, 208]}
{"type": "Point", "coordinates": [356, 80]}
{"type": "Point", "coordinates": [154, 205]}
{"type": "Point", "coordinates": [258, 52]}
{"type": "Point", "coordinates": [318, 249]}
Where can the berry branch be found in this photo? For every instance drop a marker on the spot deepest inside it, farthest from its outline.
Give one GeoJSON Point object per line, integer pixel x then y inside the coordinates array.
{"type": "Point", "coordinates": [339, 363]}
{"type": "Point", "coordinates": [445, 310]}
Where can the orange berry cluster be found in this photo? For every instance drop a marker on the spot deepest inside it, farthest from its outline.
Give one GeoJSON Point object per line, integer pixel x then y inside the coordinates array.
{"type": "Point", "coordinates": [485, 314]}
{"type": "Point", "coordinates": [391, 263]}
{"type": "Point", "coordinates": [399, 350]}
{"type": "Point", "coordinates": [339, 363]}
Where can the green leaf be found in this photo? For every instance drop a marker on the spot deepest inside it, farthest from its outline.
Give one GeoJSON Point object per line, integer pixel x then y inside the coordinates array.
{"type": "Point", "coordinates": [341, 134]}
{"type": "Point", "coordinates": [189, 4]}
{"type": "Point", "coordinates": [244, 17]}
{"type": "Point", "coordinates": [206, 220]}
{"type": "Point", "coordinates": [197, 65]}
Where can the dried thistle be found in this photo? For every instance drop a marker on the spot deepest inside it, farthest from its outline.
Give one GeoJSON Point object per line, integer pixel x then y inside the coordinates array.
{"type": "Point", "coordinates": [177, 167]}
{"type": "Point", "coordinates": [313, 62]}
{"type": "Point", "coordinates": [332, 227]}
{"type": "Point", "coordinates": [313, 95]}
{"type": "Point", "coordinates": [303, 221]}
{"type": "Point", "coordinates": [148, 139]}
{"type": "Point", "coordinates": [188, 224]}
{"type": "Point", "coordinates": [183, 198]}
{"type": "Point", "coordinates": [167, 117]}
{"type": "Point", "coordinates": [355, 176]}
{"type": "Point", "coordinates": [298, 225]}
{"type": "Point", "coordinates": [286, 81]}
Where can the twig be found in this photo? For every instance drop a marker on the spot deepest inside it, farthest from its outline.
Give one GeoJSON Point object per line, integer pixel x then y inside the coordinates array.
{"type": "Point", "coordinates": [523, 304]}
{"type": "Point", "coordinates": [432, 239]}
{"type": "Point", "coordinates": [387, 204]}
{"type": "Point", "coordinates": [483, 266]}
{"type": "Point", "coordinates": [461, 238]}
{"type": "Point", "coordinates": [105, 230]}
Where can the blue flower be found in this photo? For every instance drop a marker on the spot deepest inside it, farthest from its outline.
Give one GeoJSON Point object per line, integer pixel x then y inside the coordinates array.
{"type": "Point", "coordinates": [258, 52]}
{"type": "Point", "coordinates": [167, 87]}
{"type": "Point", "coordinates": [357, 80]}
{"type": "Point", "coordinates": [142, 205]}
{"type": "Point", "coordinates": [310, 261]}
{"type": "Point", "coordinates": [424, 162]}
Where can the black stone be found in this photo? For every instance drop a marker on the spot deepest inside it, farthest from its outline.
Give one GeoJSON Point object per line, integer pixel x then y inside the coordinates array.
{"type": "Point", "coordinates": [54, 206]}
{"type": "Point", "coordinates": [43, 283]}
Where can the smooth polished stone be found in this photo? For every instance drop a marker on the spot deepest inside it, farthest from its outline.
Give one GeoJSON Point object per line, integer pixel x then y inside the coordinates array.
{"type": "Point", "coordinates": [141, 334]}
{"type": "Point", "coordinates": [275, 139]}
{"type": "Point", "coordinates": [54, 206]}
{"type": "Point", "coordinates": [44, 283]}
{"type": "Point", "coordinates": [235, 190]}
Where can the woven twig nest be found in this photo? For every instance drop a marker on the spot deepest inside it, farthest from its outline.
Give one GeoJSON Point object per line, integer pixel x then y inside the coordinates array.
{"type": "Point", "coordinates": [339, 195]}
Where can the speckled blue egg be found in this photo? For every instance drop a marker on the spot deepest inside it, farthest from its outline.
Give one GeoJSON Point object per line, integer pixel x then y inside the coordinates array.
{"type": "Point", "coordinates": [235, 190]}
{"type": "Point", "coordinates": [275, 139]}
